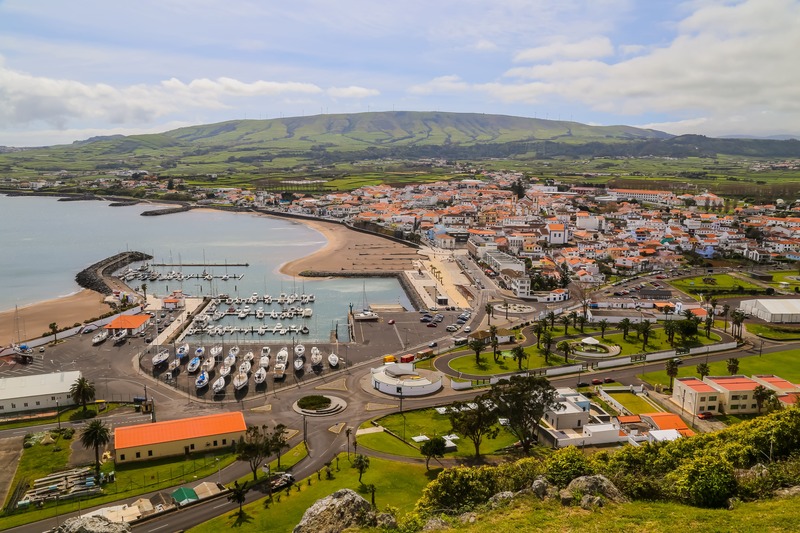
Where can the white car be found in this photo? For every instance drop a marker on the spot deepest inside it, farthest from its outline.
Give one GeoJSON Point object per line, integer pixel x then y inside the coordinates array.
{"type": "Point", "coordinates": [467, 329]}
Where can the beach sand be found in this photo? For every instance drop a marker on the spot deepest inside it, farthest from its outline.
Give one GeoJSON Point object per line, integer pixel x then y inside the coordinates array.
{"type": "Point", "coordinates": [34, 319]}
{"type": "Point", "coordinates": [352, 251]}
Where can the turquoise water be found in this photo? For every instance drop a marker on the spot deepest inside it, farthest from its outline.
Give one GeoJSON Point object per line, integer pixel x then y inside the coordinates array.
{"type": "Point", "coordinates": [44, 243]}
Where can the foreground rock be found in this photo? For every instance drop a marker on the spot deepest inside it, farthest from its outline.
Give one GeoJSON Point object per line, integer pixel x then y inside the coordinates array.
{"type": "Point", "coordinates": [599, 487]}
{"type": "Point", "coordinates": [92, 524]}
{"type": "Point", "coordinates": [337, 512]}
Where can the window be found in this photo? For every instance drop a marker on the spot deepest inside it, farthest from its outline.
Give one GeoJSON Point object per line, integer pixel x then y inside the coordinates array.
{"type": "Point", "coordinates": [712, 398]}
{"type": "Point", "coordinates": [702, 408]}
{"type": "Point", "coordinates": [26, 404]}
{"type": "Point", "coordinates": [744, 396]}
{"type": "Point", "coordinates": [224, 442]}
{"type": "Point", "coordinates": [702, 398]}
{"type": "Point", "coordinates": [37, 403]}
{"type": "Point", "coordinates": [149, 453]}
{"type": "Point", "coordinates": [735, 397]}
{"type": "Point", "coordinates": [138, 455]}
{"type": "Point", "coordinates": [734, 407]}
{"type": "Point", "coordinates": [191, 447]}
{"type": "Point", "coordinates": [712, 407]}
{"type": "Point", "coordinates": [13, 406]}
{"type": "Point", "coordinates": [215, 443]}
{"type": "Point", "coordinates": [2, 407]}
{"type": "Point", "coordinates": [754, 406]}
{"type": "Point", "coordinates": [122, 457]}
{"type": "Point", "coordinates": [53, 398]}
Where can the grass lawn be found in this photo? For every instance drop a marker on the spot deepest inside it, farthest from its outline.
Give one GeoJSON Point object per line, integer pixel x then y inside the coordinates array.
{"type": "Point", "coordinates": [774, 332]}
{"type": "Point", "coordinates": [396, 484]}
{"type": "Point", "coordinates": [633, 403]}
{"type": "Point", "coordinates": [792, 277]}
{"type": "Point", "coordinates": [467, 365]}
{"type": "Point", "coordinates": [657, 342]}
{"type": "Point", "coordinates": [427, 422]}
{"type": "Point", "coordinates": [288, 460]}
{"type": "Point", "coordinates": [74, 413]}
{"type": "Point", "coordinates": [716, 283]}
{"type": "Point", "coordinates": [39, 461]}
{"type": "Point", "coordinates": [783, 364]}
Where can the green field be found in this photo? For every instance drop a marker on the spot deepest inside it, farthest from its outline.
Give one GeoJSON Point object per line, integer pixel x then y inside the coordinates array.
{"type": "Point", "coordinates": [783, 364]}
{"type": "Point", "coordinates": [466, 364]}
{"type": "Point", "coordinates": [792, 277]}
{"type": "Point", "coordinates": [774, 331]}
{"type": "Point", "coordinates": [633, 403]}
{"type": "Point", "coordinates": [657, 342]}
{"type": "Point", "coordinates": [396, 484]}
{"type": "Point", "coordinates": [714, 285]}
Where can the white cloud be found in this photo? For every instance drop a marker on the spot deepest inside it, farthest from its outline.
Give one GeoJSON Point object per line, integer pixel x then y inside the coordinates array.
{"type": "Point", "coordinates": [442, 84]}
{"type": "Point", "coordinates": [352, 92]}
{"type": "Point", "coordinates": [484, 45]}
{"type": "Point", "coordinates": [585, 49]}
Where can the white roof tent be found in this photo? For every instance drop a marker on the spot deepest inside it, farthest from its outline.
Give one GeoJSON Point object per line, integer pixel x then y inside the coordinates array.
{"type": "Point", "coordinates": [778, 311]}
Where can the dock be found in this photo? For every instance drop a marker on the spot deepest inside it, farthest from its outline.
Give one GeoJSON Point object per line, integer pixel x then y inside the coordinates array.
{"type": "Point", "coordinates": [200, 264]}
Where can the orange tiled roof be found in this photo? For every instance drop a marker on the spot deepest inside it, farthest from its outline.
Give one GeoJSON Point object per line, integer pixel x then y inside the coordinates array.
{"type": "Point", "coordinates": [667, 421]}
{"type": "Point", "coordinates": [175, 430]}
{"type": "Point", "coordinates": [127, 322]}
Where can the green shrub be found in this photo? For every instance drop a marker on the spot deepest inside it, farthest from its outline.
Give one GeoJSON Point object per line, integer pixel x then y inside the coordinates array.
{"type": "Point", "coordinates": [565, 465]}
{"type": "Point", "coordinates": [458, 489]}
{"type": "Point", "coordinates": [707, 480]}
{"type": "Point", "coordinates": [314, 403]}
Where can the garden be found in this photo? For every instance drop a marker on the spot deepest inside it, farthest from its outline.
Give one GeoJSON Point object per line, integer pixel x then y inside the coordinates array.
{"type": "Point", "coordinates": [715, 285]}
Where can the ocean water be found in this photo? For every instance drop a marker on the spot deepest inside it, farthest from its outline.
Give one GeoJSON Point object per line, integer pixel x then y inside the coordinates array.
{"type": "Point", "coordinates": [44, 243]}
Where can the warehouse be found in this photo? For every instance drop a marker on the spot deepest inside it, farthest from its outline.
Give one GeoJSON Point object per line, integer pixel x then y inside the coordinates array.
{"type": "Point", "coordinates": [178, 437]}
{"type": "Point", "coordinates": [778, 311]}
{"type": "Point", "coordinates": [39, 391]}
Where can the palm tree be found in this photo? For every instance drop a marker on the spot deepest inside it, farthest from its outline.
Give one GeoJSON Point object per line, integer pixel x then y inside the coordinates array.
{"type": "Point", "coordinates": [547, 338]}
{"type": "Point", "coordinates": [518, 353]}
{"type": "Point", "coordinates": [573, 316]}
{"type": "Point", "coordinates": [565, 320]}
{"type": "Point", "coordinates": [646, 329]}
{"type": "Point", "coordinates": [347, 433]}
{"type": "Point", "coordinates": [238, 494]}
{"type": "Point", "coordinates": [725, 310]}
{"type": "Point", "coordinates": [709, 323]}
{"type": "Point", "coordinates": [493, 341]}
{"type": "Point", "coordinates": [714, 303]}
{"type": "Point", "coordinates": [688, 314]}
{"type": "Point", "coordinates": [582, 320]}
{"type": "Point", "coordinates": [54, 330]}
{"type": "Point", "coordinates": [625, 325]}
{"type": "Point", "coordinates": [551, 317]}
{"type": "Point", "coordinates": [761, 394]}
{"type": "Point", "coordinates": [476, 345]}
{"type": "Point", "coordinates": [144, 292]}
{"type": "Point", "coordinates": [669, 330]}
{"type": "Point", "coordinates": [737, 318]}
{"type": "Point", "coordinates": [603, 326]}
{"type": "Point", "coordinates": [95, 435]}
{"type": "Point", "coordinates": [82, 391]}
{"type": "Point", "coordinates": [537, 330]}
{"type": "Point", "coordinates": [703, 370]}
{"type": "Point", "coordinates": [361, 463]}
{"type": "Point", "coordinates": [489, 312]}
{"type": "Point", "coordinates": [671, 366]}
{"type": "Point", "coordinates": [733, 366]}
{"type": "Point", "coordinates": [565, 347]}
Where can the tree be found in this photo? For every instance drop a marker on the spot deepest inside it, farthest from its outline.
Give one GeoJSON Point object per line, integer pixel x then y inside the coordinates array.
{"type": "Point", "coordinates": [565, 347]}
{"type": "Point", "coordinates": [96, 435]}
{"type": "Point", "coordinates": [253, 447]}
{"type": "Point", "coordinates": [583, 292]}
{"type": "Point", "coordinates": [603, 326]}
{"type": "Point", "coordinates": [582, 322]}
{"type": "Point", "coordinates": [703, 370]}
{"type": "Point", "coordinates": [565, 320]}
{"type": "Point", "coordinates": [518, 353]}
{"type": "Point", "coordinates": [733, 366]}
{"type": "Point", "coordinates": [475, 422]}
{"type": "Point", "coordinates": [54, 330]}
{"type": "Point", "coordinates": [432, 448]}
{"type": "Point", "coordinates": [645, 329]}
{"type": "Point", "coordinates": [725, 310]}
{"type": "Point", "coordinates": [537, 330]}
{"type": "Point", "coordinates": [688, 314]}
{"type": "Point", "coordinates": [573, 316]}
{"type": "Point", "coordinates": [523, 400]}
{"type": "Point", "coordinates": [709, 323]}
{"type": "Point", "coordinates": [669, 330]}
{"type": "Point", "coordinates": [238, 494]}
{"type": "Point", "coordinates": [278, 443]}
{"type": "Point", "coordinates": [476, 345]}
{"type": "Point", "coordinates": [625, 325]}
{"type": "Point", "coordinates": [144, 293]}
{"type": "Point", "coordinates": [547, 338]}
{"type": "Point", "coordinates": [551, 317]}
{"type": "Point", "coordinates": [671, 366]}
{"type": "Point", "coordinates": [761, 395]}
{"type": "Point", "coordinates": [493, 341]}
{"type": "Point", "coordinates": [347, 433]}
{"type": "Point", "coordinates": [489, 308]}
{"type": "Point", "coordinates": [82, 391]}
{"type": "Point", "coordinates": [361, 463]}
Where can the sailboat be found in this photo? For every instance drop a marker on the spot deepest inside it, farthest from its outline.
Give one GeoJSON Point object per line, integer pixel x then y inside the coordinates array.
{"type": "Point", "coordinates": [264, 361]}
{"type": "Point", "coordinates": [366, 313]}
{"type": "Point", "coordinates": [100, 337]}
{"type": "Point", "coordinates": [193, 365]}
{"type": "Point", "coordinates": [333, 360]}
{"type": "Point", "coordinates": [161, 357]}
{"type": "Point", "coordinates": [260, 376]}
{"type": "Point", "coordinates": [182, 351]}
{"type": "Point", "coordinates": [316, 356]}
{"type": "Point", "coordinates": [202, 380]}
{"type": "Point", "coordinates": [218, 384]}
{"type": "Point", "coordinates": [240, 380]}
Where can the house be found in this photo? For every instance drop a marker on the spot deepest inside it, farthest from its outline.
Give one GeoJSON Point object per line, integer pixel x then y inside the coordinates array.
{"type": "Point", "coordinates": [695, 396]}
{"type": "Point", "coordinates": [38, 391]}
{"type": "Point", "coordinates": [178, 437]}
{"type": "Point", "coordinates": [133, 324]}
{"type": "Point", "coordinates": [735, 393]}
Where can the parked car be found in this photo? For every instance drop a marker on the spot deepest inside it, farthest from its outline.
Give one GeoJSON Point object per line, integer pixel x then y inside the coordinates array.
{"type": "Point", "coordinates": [433, 325]}
{"type": "Point", "coordinates": [426, 319]}
{"type": "Point", "coordinates": [582, 384]}
{"type": "Point", "coordinates": [608, 380]}
{"type": "Point", "coordinates": [391, 321]}
{"type": "Point", "coordinates": [705, 415]}
{"type": "Point", "coordinates": [451, 328]}
{"type": "Point", "coordinates": [597, 381]}
{"type": "Point", "coordinates": [467, 329]}
{"type": "Point", "coordinates": [433, 344]}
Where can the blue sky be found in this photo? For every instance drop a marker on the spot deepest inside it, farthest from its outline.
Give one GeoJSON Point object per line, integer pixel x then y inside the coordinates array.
{"type": "Point", "coordinates": [72, 70]}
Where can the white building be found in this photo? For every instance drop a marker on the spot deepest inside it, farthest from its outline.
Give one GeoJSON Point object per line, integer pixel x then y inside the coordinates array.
{"type": "Point", "coordinates": [784, 310]}
{"type": "Point", "coordinates": [39, 391]}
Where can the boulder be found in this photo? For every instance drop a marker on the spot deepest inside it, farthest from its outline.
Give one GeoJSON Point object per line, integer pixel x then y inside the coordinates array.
{"type": "Point", "coordinates": [92, 524]}
{"type": "Point", "coordinates": [565, 496]}
{"type": "Point", "coordinates": [435, 524]}
{"type": "Point", "coordinates": [386, 521]}
{"type": "Point", "coordinates": [540, 486]}
{"type": "Point", "coordinates": [337, 512]}
{"type": "Point", "coordinates": [468, 518]}
{"type": "Point", "coordinates": [590, 502]}
{"type": "Point", "coordinates": [500, 499]}
{"type": "Point", "coordinates": [788, 492]}
{"type": "Point", "coordinates": [596, 486]}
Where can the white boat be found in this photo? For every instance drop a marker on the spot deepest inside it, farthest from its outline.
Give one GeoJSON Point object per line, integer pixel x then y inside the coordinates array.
{"type": "Point", "coordinates": [193, 365]}
{"type": "Point", "coordinates": [249, 357]}
{"type": "Point", "coordinates": [298, 364]}
{"type": "Point", "coordinates": [243, 314]}
{"type": "Point", "coordinates": [224, 370]}
{"type": "Point", "coordinates": [279, 371]}
{"type": "Point", "coordinates": [218, 384]}
{"type": "Point", "coordinates": [333, 360]}
{"type": "Point", "coordinates": [264, 361]}
{"type": "Point", "coordinates": [202, 380]}
{"type": "Point", "coordinates": [175, 363]}
{"type": "Point", "coordinates": [161, 357]}
{"type": "Point", "coordinates": [230, 360]}
{"type": "Point", "coordinates": [299, 350]}
{"type": "Point", "coordinates": [182, 351]}
{"type": "Point", "coordinates": [199, 352]}
{"type": "Point", "coordinates": [120, 336]}
{"type": "Point", "coordinates": [366, 315]}
{"type": "Point", "coordinates": [260, 313]}
{"type": "Point", "coordinates": [216, 350]}
{"type": "Point", "coordinates": [100, 337]}
{"type": "Point", "coordinates": [265, 350]}
{"type": "Point", "coordinates": [316, 356]}
{"type": "Point", "coordinates": [240, 380]}
{"type": "Point", "coordinates": [307, 312]}
{"type": "Point", "coordinates": [245, 367]}
{"type": "Point", "coordinates": [208, 364]}
{"type": "Point", "coordinates": [260, 376]}
{"type": "Point", "coordinates": [234, 351]}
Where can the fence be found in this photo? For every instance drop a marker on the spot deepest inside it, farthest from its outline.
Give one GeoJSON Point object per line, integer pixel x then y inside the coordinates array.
{"type": "Point", "coordinates": [614, 362]}
{"type": "Point", "coordinates": [563, 370]}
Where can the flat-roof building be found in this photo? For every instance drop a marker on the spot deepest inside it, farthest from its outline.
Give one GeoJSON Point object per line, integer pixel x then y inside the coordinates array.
{"type": "Point", "coordinates": [39, 391]}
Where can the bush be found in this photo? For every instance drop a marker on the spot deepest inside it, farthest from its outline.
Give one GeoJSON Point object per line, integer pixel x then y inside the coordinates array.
{"type": "Point", "coordinates": [565, 465]}
{"type": "Point", "coordinates": [314, 403]}
{"type": "Point", "coordinates": [458, 489]}
{"type": "Point", "coordinates": [705, 481]}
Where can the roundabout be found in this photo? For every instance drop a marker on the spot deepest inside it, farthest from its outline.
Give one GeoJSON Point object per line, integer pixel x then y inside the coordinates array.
{"type": "Point", "coordinates": [316, 405]}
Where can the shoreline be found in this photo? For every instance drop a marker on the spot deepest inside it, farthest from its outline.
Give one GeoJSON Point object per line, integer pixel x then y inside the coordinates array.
{"type": "Point", "coordinates": [35, 318]}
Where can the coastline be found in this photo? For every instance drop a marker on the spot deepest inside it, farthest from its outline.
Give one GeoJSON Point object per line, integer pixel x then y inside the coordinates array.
{"type": "Point", "coordinates": [35, 318]}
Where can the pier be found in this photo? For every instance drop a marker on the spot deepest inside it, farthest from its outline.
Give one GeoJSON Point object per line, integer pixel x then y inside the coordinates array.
{"type": "Point", "coordinates": [200, 264]}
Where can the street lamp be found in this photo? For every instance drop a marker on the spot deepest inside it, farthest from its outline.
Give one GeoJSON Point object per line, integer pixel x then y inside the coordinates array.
{"type": "Point", "coordinates": [219, 479]}
{"type": "Point", "coordinates": [58, 415]}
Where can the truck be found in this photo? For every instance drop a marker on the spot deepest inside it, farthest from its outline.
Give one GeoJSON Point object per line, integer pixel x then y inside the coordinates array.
{"type": "Point", "coordinates": [389, 359]}
{"type": "Point", "coordinates": [424, 354]}
{"type": "Point", "coordinates": [459, 341]}
{"type": "Point", "coordinates": [408, 358]}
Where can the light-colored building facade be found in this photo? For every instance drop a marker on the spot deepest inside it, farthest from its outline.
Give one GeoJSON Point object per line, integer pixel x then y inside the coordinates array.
{"type": "Point", "coordinates": [39, 391]}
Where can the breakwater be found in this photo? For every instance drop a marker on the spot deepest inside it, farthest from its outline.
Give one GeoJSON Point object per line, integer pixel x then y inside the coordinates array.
{"type": "Point", "coordinates": [94, 277]}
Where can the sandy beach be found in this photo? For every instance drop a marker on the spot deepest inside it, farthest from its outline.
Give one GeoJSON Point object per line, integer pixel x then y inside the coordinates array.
{"type": "Point", "coordinates": [352, 251]}
{"type": "Point", "coordinates": [34, 319]}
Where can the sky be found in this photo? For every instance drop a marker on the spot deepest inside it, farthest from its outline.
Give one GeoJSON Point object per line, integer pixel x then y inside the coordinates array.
{"type": "Point", "coordinates": [77, 69]}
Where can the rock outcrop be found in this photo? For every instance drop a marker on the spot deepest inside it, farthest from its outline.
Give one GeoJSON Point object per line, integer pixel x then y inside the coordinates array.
{"type": "Point", "coordinates": [337, 512]}
{"type": "Point", "coordinates": [92, 524]}
{"type": "Point", "coordinates": [92, 278]}
{"type": "Point", "coordinates": [598, 488]}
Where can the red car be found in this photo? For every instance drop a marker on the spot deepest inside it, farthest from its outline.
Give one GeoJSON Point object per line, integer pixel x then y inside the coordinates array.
{"type": "Point", "coordinates": [597, 381]}
{"type": "Point", "coordinates": [705, 415]}
{"type": "Point", "coordinates": [432, 324]}
{"type": "Point", "coordinates": [391, 322]}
